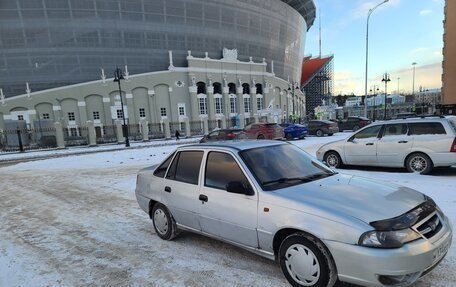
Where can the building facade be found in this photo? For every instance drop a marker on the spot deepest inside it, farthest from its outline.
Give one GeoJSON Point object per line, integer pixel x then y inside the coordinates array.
{"type": "Point", "coordinates": [46, 44]}
{"type": "Point", "coordinates": [317, 81]}
{"type": "Point", "coordinates": [449, 59]}
{"type": "Point", "coordinates": [224, 92]}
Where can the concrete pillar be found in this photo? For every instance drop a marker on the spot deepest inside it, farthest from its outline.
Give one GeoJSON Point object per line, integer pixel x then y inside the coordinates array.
{"type": "Point", "coordinates": [188, 132]}
{"type": "Point", "coordinates": [205, 125]}
{"type": "Point", "coordinates": [210, 103]}
{"type": "Point", "coordinates": [166, 128]}
{"type": "Point", "coordinates": [82, 112]}
{"type": "Point", "coordinates": [59, 135]}
{"type": "Point", "coordinates": [119, 132]}
{"type": "Point", "coordinates": [144, 130]}
{"type": "Point", "coordinates": [92, 134]}
{"type": "Point", "coordinates": [241, 120]}
{"type": "Point", "coordinates": [223, 119]}
{"type": "Point", "coordinates": [131, 109]}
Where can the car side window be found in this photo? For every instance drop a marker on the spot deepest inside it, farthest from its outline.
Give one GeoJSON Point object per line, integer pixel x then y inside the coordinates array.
{"type": "Point", "coordinates": [369, 132]}
{"type": "Point", "coordinates": [395, 130]}
{"type": "Point", "coordinates": [186, 167]}
{"type": "Point", "coordinates": [426, 129]}
{"type": "Point", "coordinates": [213, 135]}
{"type": "Point", "coordinates": [221, 169]}
{"type": "Point", "coordinates": [161, 170]}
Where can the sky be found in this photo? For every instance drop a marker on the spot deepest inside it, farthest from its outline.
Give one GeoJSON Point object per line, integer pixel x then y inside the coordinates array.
{"type": "Point", "coordinates": [401, 32]}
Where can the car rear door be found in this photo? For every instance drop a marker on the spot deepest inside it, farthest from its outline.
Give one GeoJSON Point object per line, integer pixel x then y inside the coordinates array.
{"type": "Point", "coordinates": [361, 148]}
{"type": "Point", "coordinates": [223, 214]}
{"type": "Point", "coordinates": [181, 188]}
{"type": "Point", "coordinates": [393, 145]}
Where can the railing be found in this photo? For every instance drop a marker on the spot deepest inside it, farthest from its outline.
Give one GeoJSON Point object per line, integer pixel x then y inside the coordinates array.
{"type": "Point", "coordinates": [107, 134]}
{"type": "Point", "coordinates": [13, 140]}
{"type": "Point", "coordinates": [156, 131]}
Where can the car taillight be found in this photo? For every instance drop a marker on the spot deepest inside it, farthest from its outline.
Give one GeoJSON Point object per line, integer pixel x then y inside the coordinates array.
{"type": "Point", "coordinates": [329, 126]}
{"type": "Point", "coordinates": [364, 122]}
{"type": "Point", "coordinates": [230, 135]}
{"type": "Point", "coordinates": [453, 146]}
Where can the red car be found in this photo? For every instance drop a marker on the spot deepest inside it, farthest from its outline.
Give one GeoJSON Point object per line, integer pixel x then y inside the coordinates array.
{"type": "Point", "coordinates": [264, 131]}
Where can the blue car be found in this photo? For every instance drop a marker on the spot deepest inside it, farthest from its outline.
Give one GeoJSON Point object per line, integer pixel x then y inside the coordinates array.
{"type": "Point", "coordinates": [292, 131]}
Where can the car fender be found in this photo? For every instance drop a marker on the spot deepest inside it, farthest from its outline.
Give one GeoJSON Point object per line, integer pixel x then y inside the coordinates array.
{"type": "Point", "coordinates": [148, 185]}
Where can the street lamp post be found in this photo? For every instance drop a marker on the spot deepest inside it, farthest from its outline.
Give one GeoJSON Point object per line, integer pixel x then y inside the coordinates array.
{"type": "Point", "coordinates": [295, 87]}
{"type": "Point", "coordinates": [386, 79]}
{"type": "Point", "coordinates": [413, 83]}
{"type": "Point", "coordinates": [398, 79]}
{"type": "Point", "coordinates": [367, 50]}
{"type": "Point", "coordinates": [118, 75]}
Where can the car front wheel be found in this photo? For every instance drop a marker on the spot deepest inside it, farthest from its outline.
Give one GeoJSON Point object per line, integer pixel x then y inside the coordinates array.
{"type": "Point", "coordinates": [419, 163]}
{"type": "Point", "coordinates": [332, 159]}
{"type": "Point", "coordinates": [319, 133]}
{"type": "Point", "coordinates": [289, 137]}
{"type": "Point", "coordinates": [306, 262]}
{"type": "Point", "coordinates": [164, 224]}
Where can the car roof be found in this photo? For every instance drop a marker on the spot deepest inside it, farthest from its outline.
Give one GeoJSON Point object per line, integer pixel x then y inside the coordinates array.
{"type": "Point", "coordinates": [416, 119]}
{"type": "Point", "coordinates": [237, 145]}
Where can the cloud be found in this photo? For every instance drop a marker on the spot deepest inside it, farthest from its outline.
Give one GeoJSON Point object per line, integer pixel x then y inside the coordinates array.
{"type": "Point", "coordinates": [363, 8]}
{"type": "Point", "coordinates": [425, 12]}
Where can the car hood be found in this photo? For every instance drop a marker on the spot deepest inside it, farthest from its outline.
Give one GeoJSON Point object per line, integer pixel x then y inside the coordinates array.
{"type": "Point", "coordinates": [351, 196]}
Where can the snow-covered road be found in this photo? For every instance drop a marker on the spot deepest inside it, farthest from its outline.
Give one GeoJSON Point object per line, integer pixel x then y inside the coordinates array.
{"type": "Point", "coordinates": [74, 221]}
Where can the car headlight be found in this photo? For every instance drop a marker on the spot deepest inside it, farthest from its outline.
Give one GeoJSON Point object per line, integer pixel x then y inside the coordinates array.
{"type": "Point", "coordinates": [388, 239]}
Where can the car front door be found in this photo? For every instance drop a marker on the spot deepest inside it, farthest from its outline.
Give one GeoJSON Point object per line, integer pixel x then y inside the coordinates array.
{"type": "Point", "coordinates": [223, 214]}
{"type": "Point", "coordinates": [393, 145]}
{"type": "Point", "coordinates": [361, 148]}
{"type": "Point", "coordinates": [181, 188]}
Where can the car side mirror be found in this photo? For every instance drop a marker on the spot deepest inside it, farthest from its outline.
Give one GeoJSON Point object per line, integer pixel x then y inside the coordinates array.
{"type": "Point", "coordinates": [352, 139]}
{"type": "Point", "coordinates": [239, 188]}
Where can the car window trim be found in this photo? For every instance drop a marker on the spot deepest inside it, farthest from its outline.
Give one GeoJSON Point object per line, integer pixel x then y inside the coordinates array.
{"type": "Point", "coordinates": [172, 155]}
{"type": "Point", "coordinates": [178, 153]}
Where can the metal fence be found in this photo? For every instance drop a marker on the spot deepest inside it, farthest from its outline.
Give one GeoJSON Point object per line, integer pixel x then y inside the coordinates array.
{"type": "Point", "coordinates": [107, 134]}
{"type": "Point", "coordinates": [156, 131]}
{"type": "Point", "coordinates": [76, 136]}
{"type": "Point", "coordinates": [196, 128]}
{"type": "Point", "coordinates": [12, 140]}
{"type": "Point", "coordinates": [134, 132]}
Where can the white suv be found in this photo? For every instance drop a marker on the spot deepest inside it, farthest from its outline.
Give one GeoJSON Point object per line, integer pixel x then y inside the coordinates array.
{"type": "Point", "coordinates": [419, 144]}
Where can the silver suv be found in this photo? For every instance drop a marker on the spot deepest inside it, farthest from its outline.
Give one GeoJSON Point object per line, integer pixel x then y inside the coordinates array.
{"type": "Point", "coordinates": [419, 144]}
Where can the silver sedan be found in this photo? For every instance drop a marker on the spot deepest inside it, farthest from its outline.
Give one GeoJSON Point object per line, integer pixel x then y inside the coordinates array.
{"type": "Point", "coordinates": [273, 199]}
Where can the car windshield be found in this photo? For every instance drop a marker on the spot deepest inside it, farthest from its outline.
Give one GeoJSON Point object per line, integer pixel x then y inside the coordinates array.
{"type": "Point", "coordinates": [281, 166]}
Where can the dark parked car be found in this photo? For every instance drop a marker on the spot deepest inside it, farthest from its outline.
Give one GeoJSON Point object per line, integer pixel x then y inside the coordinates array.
{"type": "Point", "coordinates": [353, 123]}
{"type": "Point", "coordinates": [322, 127]}
{"type": "Point", "coordinates": [293, 131]}
{"type": "Point", "coordinates": [223, 135]}
{"type": "Point", "coordinates": [264, 131]}
{"type": "Point", "coordinates": [405, 115]}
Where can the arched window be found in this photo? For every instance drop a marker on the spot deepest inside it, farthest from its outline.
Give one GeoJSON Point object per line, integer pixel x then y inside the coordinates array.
{"type": "Point", "coordinates": [217, 88]}
{"type": "Point", "coordinates": [259, 89]}
{"type": "Point", "coordinates": [232, 88]}
{"type": "Point", "coordinates": [245, 88]}
{"type": "Point", "coordinates": [201, 88]}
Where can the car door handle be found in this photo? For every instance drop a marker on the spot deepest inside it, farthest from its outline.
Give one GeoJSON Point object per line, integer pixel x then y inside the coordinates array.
{"type": "Point", "coordinates": [370, 144]}
{"type": "Point", "coordinates": [167, 189]}
{"type": "Point", "coordinates": [402, 141]}
{"type": "Point", "coordinates": [203, 198]}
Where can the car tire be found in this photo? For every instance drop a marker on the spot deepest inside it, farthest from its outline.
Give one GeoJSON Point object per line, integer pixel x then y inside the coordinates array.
{"type": "Point", "coordinates": [332, 159]}
{"type": "Point", "coordinates": [260, 137]}
{"type": "Point", "coordinates": [319, 133]}
{"type": "Point", "coordinates": [330, 134]}
{"type": "Point", "coordinates": [300, 247]}
{"type": "Point", "coordinates": [355, 128]}
{"type": "Point", "coordinates": [289, 136]}
{"type": "Point", "coordinates": [419, 163]}
{"type": "Point", "coordinates": [164, 223]}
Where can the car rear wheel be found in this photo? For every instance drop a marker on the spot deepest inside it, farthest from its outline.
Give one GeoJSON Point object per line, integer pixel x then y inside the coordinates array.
{"type": "Point", "coordinates": [319, 133]}
{"type": "Point", "coordinates": [260, 137]}
{"type": "Point", "coordinates": [289, 137]}
{"type": "Point", "coordinates": [332, 159]}
{"type": "Point", "coordinates": [164, 223]}
{"type": "Point", "coordinates": [419, 163]}
{"type": "Point", "coordinates": [306, 262]}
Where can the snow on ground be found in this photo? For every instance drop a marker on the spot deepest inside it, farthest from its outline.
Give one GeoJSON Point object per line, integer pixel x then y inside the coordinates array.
{"type": "Point", "coordinates": [74, 221]}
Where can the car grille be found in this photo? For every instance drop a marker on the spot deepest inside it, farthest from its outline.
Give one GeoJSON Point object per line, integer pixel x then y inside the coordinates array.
{"type": "Point", "coordinates": [430, 227]}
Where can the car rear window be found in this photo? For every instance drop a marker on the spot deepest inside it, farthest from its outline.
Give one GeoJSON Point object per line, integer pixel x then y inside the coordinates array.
{"type": "Point", "coordinates": [186, 167]}
{"type": "Point", "coordinates": [161, 170]}
{"type": "Point", "coordinates": [426, 129]}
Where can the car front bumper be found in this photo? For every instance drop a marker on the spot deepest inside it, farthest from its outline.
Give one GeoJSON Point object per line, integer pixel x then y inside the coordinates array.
{"type": "Point", "coordinates": [372, 266]}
